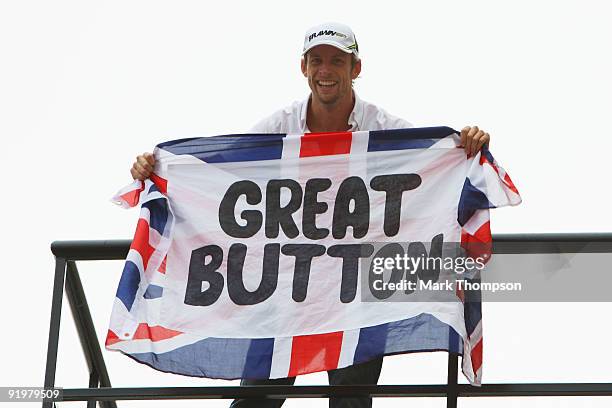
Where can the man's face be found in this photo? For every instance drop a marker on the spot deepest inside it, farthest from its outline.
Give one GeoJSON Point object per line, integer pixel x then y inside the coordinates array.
{"type": "Point", "coordinates": [329, 73]}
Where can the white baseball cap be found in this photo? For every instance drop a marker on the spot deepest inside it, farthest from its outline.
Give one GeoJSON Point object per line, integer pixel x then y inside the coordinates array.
{"type": "Point", "coordinates": [335, 34]}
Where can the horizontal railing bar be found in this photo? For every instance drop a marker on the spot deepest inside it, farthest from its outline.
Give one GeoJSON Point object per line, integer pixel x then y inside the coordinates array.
{"type": "Point", "coordinates": [537, 390]}
{"type": "Point", "coordinates": [324, 391]}
{"type": "Point", "coordinates": [90, 250]}
{"type": "Point", "coordinates": [547, 243]}
{"type": "Point", "coordinates": [555, 237]}
{"type": "Point", "coordinates": [271, 391]}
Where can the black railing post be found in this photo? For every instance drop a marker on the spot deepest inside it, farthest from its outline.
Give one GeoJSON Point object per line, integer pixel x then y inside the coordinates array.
{"type": "Point", "coordinates": [453, 390]}
{"type": "Point", "coordinates": [54, 325]}
{"type": "Point", "coordinates": [94, 383]}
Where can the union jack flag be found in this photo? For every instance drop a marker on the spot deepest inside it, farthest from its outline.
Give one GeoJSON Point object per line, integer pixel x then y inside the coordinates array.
{"type": "Point", "coordinates": [151, 324]}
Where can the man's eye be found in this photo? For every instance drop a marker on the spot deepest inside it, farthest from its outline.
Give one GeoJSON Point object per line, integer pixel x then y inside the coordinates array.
{"type": "Point", "coordinates": [338, 61]}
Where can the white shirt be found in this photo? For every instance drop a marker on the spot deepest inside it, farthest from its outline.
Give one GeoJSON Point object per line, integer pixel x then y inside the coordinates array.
{"type": "Point", "coordinates": [365, 116]}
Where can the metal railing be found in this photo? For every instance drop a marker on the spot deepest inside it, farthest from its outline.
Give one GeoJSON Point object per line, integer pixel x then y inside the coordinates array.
{"type": "Point", "coordinates": [100, 389]}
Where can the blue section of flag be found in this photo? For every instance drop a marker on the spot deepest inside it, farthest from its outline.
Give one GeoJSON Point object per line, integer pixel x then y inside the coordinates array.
{"type": "Point", "coordinates": [258, 361]}
{"type": "Point", "coordinates": [158, 214]}
{"type": "Point", "coordinates": [230, 148]}
{"type": "Point", "coordinates": [128, 285]}
{"type": "Point", "coordinates": [400, 139]}
{"type": "Point", "coordinates": [371, 343]}
{"type": "Point", "coordinates": [455, 343]}
{"type": "Point", "coordinates": [471, 200]}
{"type": "Point", "coordinates": [472, 306]}
{"type": "Point", "coordinates": [420, 333]}
{"type": "Point", "coordinates": [187, 360]}
{"type": "Point", "coordinates": [153, 292]}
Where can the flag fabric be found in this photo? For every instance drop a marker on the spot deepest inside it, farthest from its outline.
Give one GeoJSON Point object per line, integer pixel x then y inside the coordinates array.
{"type": "Point", "coordinates": [245, 259]}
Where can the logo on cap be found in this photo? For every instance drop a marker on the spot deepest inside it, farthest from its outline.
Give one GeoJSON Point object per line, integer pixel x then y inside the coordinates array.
{"type": "Point", "coordinates": [326, 32]}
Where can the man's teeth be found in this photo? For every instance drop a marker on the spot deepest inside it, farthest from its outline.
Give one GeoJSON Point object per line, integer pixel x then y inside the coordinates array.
{"type": "Point", "coordinates": [326, 83]}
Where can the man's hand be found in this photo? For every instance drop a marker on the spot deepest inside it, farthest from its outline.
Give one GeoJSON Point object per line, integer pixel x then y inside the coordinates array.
{"type": "Point", "coordinates": [472, 139]}
{"type": "Point", "coordinates": [143, 166]}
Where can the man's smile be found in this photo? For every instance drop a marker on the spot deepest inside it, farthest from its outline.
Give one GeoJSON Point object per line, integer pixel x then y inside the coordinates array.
{"type": "Point", "coordinates": [326, 84]}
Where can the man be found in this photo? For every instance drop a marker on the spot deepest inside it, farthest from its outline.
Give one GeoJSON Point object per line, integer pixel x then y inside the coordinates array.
{"type": "Point", "coordinates": [330, 63]}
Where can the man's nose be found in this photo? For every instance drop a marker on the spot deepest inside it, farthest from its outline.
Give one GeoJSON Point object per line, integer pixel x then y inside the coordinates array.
{"type": "Point", "coordinates": [325, 69]}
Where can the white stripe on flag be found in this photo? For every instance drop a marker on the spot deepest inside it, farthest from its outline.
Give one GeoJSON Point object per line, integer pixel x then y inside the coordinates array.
{"type": "Point", "coordinates": [160, 346]}
{"type": "Point", "coordinates": [281, 357]}
{"type": "Point", "coordinates": [357, 158]}
{"type": "Point", "coordinates": [350, 338]}
{"type": "Point", "coordinates": [448, 142]}
{"type": "Point", "coordinates": [291, 152]}
{"type": "Point", "coordinates": [468, 347]}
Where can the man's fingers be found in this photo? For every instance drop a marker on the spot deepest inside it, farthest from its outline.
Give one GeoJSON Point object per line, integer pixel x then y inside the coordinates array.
{"type": "Point", "coordinates": [150, 159]}
{"type": "Point", "coordinates": [136, 175]}
{"type": "Point", "coordinates": [464, 133]}
{"type": "Point", "coordinates": [475, 142]}
{"type": "Point", "coordinates": [145, 163]}
{"type": "Point", "coordinates": [145, 169]}
{"type": "Point", "coordinates": [472, 139]}
{"type": "Point", "coordinates": [143, 166]}
{"type": "Point", "coordinates": [484, 139]}
{"type": "Point", "coordinates": [469, 142]}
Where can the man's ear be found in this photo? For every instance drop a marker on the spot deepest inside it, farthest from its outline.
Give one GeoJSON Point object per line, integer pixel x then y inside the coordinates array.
{"type": "Point", "coordinates": [303, 65]}
{"type": "Point", "coordinates": [356, 70]}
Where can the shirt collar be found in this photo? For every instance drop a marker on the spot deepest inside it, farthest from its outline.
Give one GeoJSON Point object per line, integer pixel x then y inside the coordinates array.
{"type": "Point", "coordinates": [355, 117]}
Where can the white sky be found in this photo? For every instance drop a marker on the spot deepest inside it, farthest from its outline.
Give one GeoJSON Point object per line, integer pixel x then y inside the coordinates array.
{"type": "Point", "coordinates": [85, 86]}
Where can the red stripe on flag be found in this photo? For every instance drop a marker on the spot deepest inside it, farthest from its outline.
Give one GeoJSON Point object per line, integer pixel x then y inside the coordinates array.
{"type": "Point", "coordinates": [161, 183]}
{"type": "Point", "coordinates": [324, 144]}
{"type": "Point", "coordinates": [154, 333]}
{"type": "Point", "coordinates": [111, 338]}
{"type": "Point", "coordinates": [483, 160]}
{"type": "Point", "coordinates": [476, 356]}
{"type": "Point", "coordinates": [140, 243]}
{"type": "Point", "coordinates": [162, 267]}
{"type": "Point", "coordinates": [508, 182]}
{"type": "Point", "coordinates": [132, 197]}
{"type": "Point", "coordinates": [479, 244]}
{"type": "Point", "coordinates": [318, 352]}
{"type": "Point", "coordinates": [482, 234]}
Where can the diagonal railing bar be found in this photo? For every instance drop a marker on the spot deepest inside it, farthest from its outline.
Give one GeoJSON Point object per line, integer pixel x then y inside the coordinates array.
{"type": "Point", "coordinates": [86, 331]}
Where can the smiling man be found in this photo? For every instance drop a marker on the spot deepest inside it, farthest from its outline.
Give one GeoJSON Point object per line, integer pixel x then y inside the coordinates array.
{"type": "Point", "coordinates": [330, 62]}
